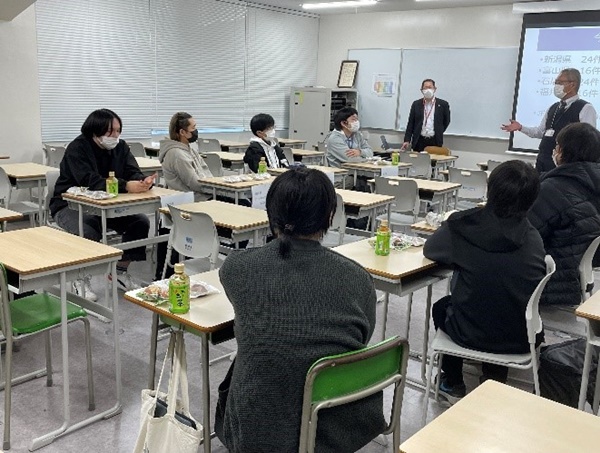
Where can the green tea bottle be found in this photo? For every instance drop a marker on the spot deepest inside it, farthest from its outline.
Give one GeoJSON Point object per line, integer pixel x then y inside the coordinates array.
{"type": "Point", "coordinates": [382, 242]}
{"type": "Point", "coordinates": [262, 165]}
{"type": "Point", "coordinates": [179, 291]}
{"type": "Point", "coordinates": [112, 184]}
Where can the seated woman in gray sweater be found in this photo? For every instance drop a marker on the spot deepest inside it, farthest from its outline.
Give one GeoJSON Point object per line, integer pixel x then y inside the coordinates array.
{"type": "Point", "coordinates": [295, 301]}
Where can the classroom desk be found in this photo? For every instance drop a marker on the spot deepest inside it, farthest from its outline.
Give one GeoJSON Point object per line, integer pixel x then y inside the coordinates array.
{"type": "Point", "coordinates": [152, 150]}
{"type": "Point", "coordinates": [233, 146]}
{"type": "Point", "coordinates": [207, 315]}
{"type": "Point", "coordinates": [4, 157]}
{"type": "Point", "coordinates": [361, 204]}
{"type": "Point", "coordinates": [233, 221]}
{"type": "Point", "coordinates": [123, 205]}
{"type": "Point", "coordinates": [308, 157]}
{"type": "Point", "coordinates": [370, 170]}
{"type": "Point", "coordinates": [501, 419]}
{"type": "Point", "coordinates": [423, 227]}
{"type": "Point", "coordinates": [231, 161]}
{"type": "Point", "coordinates": [339, 174]}
{"type": "Point", "coordinates": [292, 143]}
{"type": "Point", "coordinates": [401, 273]}
{"type": "Point", "coordinates": [433, 188]}
{"type": "Point", "coordinates": [590, 312]}
{"type": "Point", "coordinates": [438, 161]}
{"type": "Point", "coordinates": [149, 166]}
{"type": "Point", "coordinates": [482, 165]}
{"type": "Point", "coordinates": [29, 175]}
{"type": "Point", "coordinates": [42, 257]}
{"type": "Point", "coordinates": [234, 190]}
{"type": "Point", "coordinates": [7, 215]}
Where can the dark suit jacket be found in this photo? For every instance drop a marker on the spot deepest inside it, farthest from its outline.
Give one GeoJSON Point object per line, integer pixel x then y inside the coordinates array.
{"type": "Point", "coordinates": [441, 120]}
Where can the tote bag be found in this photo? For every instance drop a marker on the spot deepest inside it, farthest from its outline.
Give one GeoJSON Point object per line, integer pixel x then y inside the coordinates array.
{"type": "Point", "coordinates": [171, 429]}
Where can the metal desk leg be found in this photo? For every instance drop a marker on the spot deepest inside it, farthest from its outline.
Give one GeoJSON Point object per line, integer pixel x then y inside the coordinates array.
{"type": "Point", "coordinates": [587, 361]}
{"type": "Point", "coordinates": [355, 177]}
{"type": "Point", "coordinates": [426, 333]}
{"type": "Point", "coordinates": [103, 219]}
{"type": "Point", "coordinates": [80, 220]}
{"type": "Point", "coordinates": [153, 345]}
{"type": "Point", "coordinates": [40, 202]}
{"type": "Point", "coordinates": [386, 301]}
{"type": "Point", "coordinates": [237, 198]}
{"type": "Point", "coordinates": [205, 393]}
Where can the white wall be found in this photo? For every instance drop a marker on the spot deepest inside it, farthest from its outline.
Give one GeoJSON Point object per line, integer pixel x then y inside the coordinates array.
{"type": "Point", "coordinates": [491, 26]}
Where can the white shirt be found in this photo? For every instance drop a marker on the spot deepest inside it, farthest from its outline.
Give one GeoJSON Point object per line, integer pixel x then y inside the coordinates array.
{"type": "Point", "coordinates": [587, 115]}
{"type": "Point", "coordinates": [428, 114]}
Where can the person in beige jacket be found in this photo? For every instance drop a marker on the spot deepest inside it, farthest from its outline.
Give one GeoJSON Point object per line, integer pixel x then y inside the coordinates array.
{"type": "Point", "coordinates": [182, 165]}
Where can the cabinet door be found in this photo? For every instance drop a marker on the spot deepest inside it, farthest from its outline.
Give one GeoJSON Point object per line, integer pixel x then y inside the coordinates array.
{"type": "Point", "coordinates": [309, 116]}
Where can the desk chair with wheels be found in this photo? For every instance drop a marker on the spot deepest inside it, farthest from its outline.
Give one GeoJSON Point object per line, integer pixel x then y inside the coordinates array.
{"type": "Point", "coordinates": [586, 271]}
{"type": "Point", "coordinates": [473, 188]}
{"type": "Point", "coordinates": [405, 208]}
{"type": "Point", "coordinates": [28, 316]}
{"type": "Point", "coordinates": [137, 149]}
{"type": "Point", "coordinates": [215, 165]}
{"type": "Point", "coordinates": [24, 207]}
{"type": "Point", "coordinates": [208, 145]}
{"type": "Point", "coordinates": [421, 164]}
{"type": "Point", "coordinates": [443, 344]}
{"type": "Point", "coordinates": [352, 376]}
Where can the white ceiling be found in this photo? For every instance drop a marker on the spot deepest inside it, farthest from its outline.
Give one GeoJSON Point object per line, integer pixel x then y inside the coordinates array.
{"type": "Point", "coordinates": [389, 5]}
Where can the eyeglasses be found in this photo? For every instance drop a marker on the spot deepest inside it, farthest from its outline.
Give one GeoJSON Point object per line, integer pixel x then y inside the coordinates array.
{"type": "Point", "coordinates": [562, 82]}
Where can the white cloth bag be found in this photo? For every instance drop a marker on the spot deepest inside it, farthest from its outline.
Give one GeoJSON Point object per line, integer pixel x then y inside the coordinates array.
{"type": "Point", "coordinates": [166, 434]}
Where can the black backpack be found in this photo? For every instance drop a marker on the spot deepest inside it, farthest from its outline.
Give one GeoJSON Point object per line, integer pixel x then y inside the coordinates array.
{"type": "Point", "coordinates": [561, 367]}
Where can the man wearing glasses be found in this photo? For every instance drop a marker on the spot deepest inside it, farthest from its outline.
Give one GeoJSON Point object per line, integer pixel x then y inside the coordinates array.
{"type": "Point", "coordinates": [570, 109]}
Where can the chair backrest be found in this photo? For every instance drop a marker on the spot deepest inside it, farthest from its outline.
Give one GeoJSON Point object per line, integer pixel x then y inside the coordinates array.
{"type": "Point", "coordinates": [5, 188]}
{"type": "Point", "coordinates": [208, 145]}
{"type": "Point", "coordinates": [54, 155]}
{"type": "Point", "coordinates": [289, 154]}
{"type": "Point", "coordinates": [387, 145]}
{"type": "Point", "coordinates": [586, 271]}
{"type": "Point", "coordinates": [474, 183]}
{"type": "Point", "coordinates": [421, 164]}
{"type": "Point", "coordinates": [441, 150]}
{"type": "Point", "coordinates": [215, 165]}
{"type": "Point", "coordinates": [343, 378]}
{"type": "Point", "coordinates": [338, 223]}
{"type": "Point", "coordinates": [194, 235]}
{"type": "Point", "coordinates": [532, 313]}
{"type": "Point", "coordinates": [491, 164]}
{"type": "Point", "coordinates": [51, 178]}
{"type": "Point", "coordinates": [137, 149]}
{"type": "Point", "coordinates": [321, 146]}
{"type": "Point", "coordinates": [405, 192]}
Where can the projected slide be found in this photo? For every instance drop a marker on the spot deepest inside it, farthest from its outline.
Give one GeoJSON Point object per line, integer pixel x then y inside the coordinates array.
{"type": "Point", "coordinates": [546, 51]}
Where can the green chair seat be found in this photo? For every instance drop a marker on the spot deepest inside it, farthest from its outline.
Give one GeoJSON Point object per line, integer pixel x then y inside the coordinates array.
{"type": "Point", "coordinates": [40, 311]}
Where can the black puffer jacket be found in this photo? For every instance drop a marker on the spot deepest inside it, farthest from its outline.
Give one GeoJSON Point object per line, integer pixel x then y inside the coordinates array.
{"type": "Point", "coordinates": [567, 215]}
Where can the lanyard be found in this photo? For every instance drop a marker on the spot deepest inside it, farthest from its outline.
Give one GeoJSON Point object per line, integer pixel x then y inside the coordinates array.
{"type": "Point", "coordinates": [428, 113]}
{"type": "Point", "coordinates": [350, 142]}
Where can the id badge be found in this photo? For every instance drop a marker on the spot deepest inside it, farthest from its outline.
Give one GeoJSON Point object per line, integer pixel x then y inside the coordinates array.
{"type": "Point", "coordinates": [549, 133]}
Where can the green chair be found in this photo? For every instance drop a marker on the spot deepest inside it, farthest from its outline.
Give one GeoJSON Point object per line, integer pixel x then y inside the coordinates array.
{"type": "Point", "coordinates": [344, 378]}
{"type": "Point", "coordinates": [27, 316]}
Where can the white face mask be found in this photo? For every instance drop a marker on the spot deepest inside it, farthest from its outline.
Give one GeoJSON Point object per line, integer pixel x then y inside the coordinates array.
{"type": "Point", "coordinates": [354, 126]}
{"type": "Point", "coordinates": [270, 133]}
{"type": "Point", "coordinates": [559, 91]}
{"type": "Point", "coordinates": [109, 142]}
{"type": "Point", "coordinates": [428, 93]}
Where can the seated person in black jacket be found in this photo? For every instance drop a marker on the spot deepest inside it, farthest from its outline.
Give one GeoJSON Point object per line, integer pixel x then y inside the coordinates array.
{"type": "Point", "coordinates": [264, 144]}
{"type": "Point", "coordinates": [498, 260]}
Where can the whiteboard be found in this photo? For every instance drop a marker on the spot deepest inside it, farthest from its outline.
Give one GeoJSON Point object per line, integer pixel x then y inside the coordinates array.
{"type": "Point", "coordinates": [478, 83]}
{"type": "Point", "coordinates": [376, 111]}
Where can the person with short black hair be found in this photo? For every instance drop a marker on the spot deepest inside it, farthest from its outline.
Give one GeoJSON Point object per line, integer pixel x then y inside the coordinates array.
{"type": "Point", "coordinates": [498, 260]}
{"type": "Point", "coordinates": [345, 143]}
{"type": "Point", "coordinates": [295, 302]}
{"type": "Point", "coordinates": [264, 144]}
{"type": "Point", "coordinates": [567, 210]}
{"type": "Point", "coordinates": [88, 160]}
{"type": "Point", "coordinates": [428, 119]}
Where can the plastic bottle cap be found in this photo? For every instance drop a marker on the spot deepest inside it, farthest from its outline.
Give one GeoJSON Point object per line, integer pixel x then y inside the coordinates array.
{"type": "Point", "coordinates": [179, 268]}
{"type": "Point", "coordinates": [384, 223]}
{"type": "Point", "coordinates": [111, 174]}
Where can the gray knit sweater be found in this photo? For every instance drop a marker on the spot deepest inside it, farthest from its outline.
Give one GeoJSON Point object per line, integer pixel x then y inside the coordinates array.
{"type": "Point", "coordinates": [289, 313]}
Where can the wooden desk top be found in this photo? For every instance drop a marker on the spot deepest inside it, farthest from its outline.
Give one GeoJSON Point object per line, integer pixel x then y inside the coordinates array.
{"type": "Point", "coordinates": [26, 170]}
{"type": "Point", "coordinates": [207, 314]}
{"type": "Point", "coordinates": [307, 153]}
{"type": "Point", "coordinates": [439, 158]}
{"type": "Point", "coordinates": [227, 215]}
{"type": "Point", "coordinates": [590, 309]}
{"type": "Point", "coordinates": [227, 156]}
{"type": "Point", "coordinates": [424, 227]}
{"type": "Point", "coordinates": [395, 266]}
{"type": "Point", "coordinates": [501, 419]}
{"type": "Point", "coordinates": [232, 144]}
{"type": "Point", "coordinates": [124, 198]}
{"type": "Point", "coordinates": [334, 170]}
{"type": "Point", "coordinates": [482, 165]}
{"type": "Point", "coordinates": [219, 182]}
{"type": "Point", "coordinates": [291, 141]}
{"type": "Point", "coordinates": [430, 185]}
{"type": "Point", "coordinates": [4, 157]}
{"type": "Point", "coordinates": [363, 199]}
{"type": "Point", "coordinates": [7, 214]}
{"type": "Point", "coordinates": [145, 163]}
{"type": "Point", "coordinates": [34, 250]}
{"type": "Point", "coordinates": [371, 166]}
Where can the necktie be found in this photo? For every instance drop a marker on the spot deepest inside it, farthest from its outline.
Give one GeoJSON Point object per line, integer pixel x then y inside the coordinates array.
{"type": "Point", "coordinates": [561, 107]}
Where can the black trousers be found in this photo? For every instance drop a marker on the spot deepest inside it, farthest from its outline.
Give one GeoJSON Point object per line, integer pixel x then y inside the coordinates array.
{"type": "Point", "coordinates": [422, 142]}
{"type": "Point", "coordinates": [452, 366]}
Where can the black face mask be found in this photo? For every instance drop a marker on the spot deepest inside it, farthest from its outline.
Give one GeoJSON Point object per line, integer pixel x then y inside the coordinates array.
{"type": "Point", "coordinates": [194, 136]}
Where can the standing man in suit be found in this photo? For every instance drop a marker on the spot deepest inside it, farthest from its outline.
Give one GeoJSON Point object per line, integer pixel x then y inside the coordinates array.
{"type": "Point", "coordinates": [428, 119]}
{"type": "Point", "coordinates": [569, 109]}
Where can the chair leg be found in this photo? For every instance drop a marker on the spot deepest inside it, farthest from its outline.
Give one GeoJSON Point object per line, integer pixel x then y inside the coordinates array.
{"type": "Point", "coordinates": [312, 431]}
{"type": "Point", "coordinates": [427, 386]}
{"type": "Point", "coordinates": [90, 369]}
{"type": "Point", "coordinates": [48, 342]}
{"type": "Point", "coordinates": [7, 392]}
{"type": "Point", "coordinates": [535, 368]}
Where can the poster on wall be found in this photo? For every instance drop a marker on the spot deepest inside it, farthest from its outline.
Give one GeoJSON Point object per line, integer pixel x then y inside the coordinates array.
{"type": "Point", "coordinates": [385, 85]}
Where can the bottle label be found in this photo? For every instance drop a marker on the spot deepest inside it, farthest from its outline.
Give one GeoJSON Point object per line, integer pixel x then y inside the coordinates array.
{"type": "Point", "coordinates": [262, 167]}
{"type": "Point", "coordinates": [394, 158]}
{"type": "Point", "coordinates": [112, 186]}
{"type": "Point", "coordinates": [382, 243]}
{"type": "Point", "coordinates": [179, 297]}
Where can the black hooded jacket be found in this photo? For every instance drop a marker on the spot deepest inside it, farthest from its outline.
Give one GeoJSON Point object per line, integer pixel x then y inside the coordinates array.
{"type": "Point", "coordinates": [498, 263]}
{"type": "Point", "coordinates": [567, 215]}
